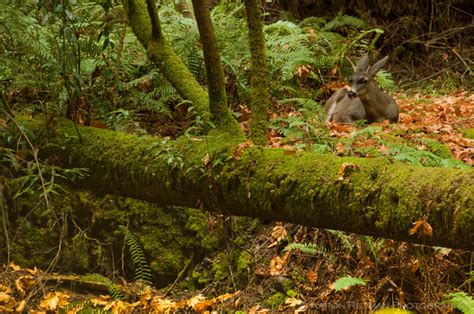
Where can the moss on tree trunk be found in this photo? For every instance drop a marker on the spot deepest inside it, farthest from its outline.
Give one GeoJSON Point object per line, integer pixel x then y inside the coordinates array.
{"type": "Point", "coordinates": [378, 197]}
{"type": "Point", "coordinates": [259, 94]}
{"type": "Point", "coordinates": [221, 114]}
{"type": "Point", "coordinates": [145, 23]}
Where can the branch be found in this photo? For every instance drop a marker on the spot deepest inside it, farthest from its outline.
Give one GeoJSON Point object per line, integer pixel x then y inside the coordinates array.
{"type": "Point", "coordinates": [374, 196]}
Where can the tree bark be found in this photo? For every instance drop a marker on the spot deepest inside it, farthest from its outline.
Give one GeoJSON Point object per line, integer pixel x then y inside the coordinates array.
{"type": "Point", "coordinates": [220, 111]}
{"type": "Point", "coordinates": [259, 79]}
{"type": "Point", "coordinates": [371, 196]}
{"type": "Point", "coordinates": [145, 23]}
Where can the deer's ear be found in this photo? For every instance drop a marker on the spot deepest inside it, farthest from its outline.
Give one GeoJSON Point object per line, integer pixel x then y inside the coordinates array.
{"type": "Point", "coordinates": [376, 67]}
{"type": "Point", "coordinates": [362, 64]}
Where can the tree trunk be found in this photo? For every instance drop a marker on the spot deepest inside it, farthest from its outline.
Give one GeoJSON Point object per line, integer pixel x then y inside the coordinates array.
{"type": "Point", "coordinates": [145, 23]}
{"type": "Point", "coordinates": [371, 196]}
{"type": "Point", "coordinates": [220, 111]}
{"type": "Point", "coordinates": [259, 82]}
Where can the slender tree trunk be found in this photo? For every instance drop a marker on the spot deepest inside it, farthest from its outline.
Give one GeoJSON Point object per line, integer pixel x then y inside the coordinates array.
{"type": "Point", "coordinates": [145, 23]}
{"type": "Point", "coordinates": [220, 111]}
{"type": "Point", "coordinates": [372, 196]}
{"type": "Point", "coordinates": [259, 80]}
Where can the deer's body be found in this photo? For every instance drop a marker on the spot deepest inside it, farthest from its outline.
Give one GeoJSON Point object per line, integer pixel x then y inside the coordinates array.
{"type": "Point", "coordinates": [341, 108]}
{"type": "Point", "coordinates": [345, 105]}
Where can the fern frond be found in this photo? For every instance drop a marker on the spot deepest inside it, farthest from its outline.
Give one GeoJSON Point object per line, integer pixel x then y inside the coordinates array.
{"type": "Point", "coordinates": [461, 301]}
{"type": "Point", "coordinates": [142, 269]}
{"type": "Point", "coordinates": [114, 290]}
{"type": "Point", "coordinates": [345, 20]}
{"type": "Point", "coordinates": [311, 249]}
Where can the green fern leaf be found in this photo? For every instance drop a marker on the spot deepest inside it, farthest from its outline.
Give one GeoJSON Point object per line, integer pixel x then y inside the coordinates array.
{"type": "Point", "coordinates": [142, 269]}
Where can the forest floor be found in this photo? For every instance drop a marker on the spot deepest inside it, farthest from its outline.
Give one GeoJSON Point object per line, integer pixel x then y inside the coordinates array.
{"type": "Point", "coordinates": [295, 268]}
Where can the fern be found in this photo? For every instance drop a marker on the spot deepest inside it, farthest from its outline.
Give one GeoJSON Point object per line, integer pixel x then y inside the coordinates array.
{"type": "Point", "coordinates": [142, 269]}
{"type": "Point", "coordinates": [311, 249]}
{"type": "Point", "coordinates": [344, 238]}
{"type": "Point", "coordinates": [114, 290]}
{"type": "Point", "coordinates": [437, 148]}
{"type": "Point", "coordinates": [384, 80]}
{"type": "Point", "coordinates": [461, 301]}
{"type": "Point", "coordinates": [345, 20]}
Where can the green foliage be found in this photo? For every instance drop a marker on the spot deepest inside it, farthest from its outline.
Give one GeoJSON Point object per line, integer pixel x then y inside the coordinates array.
{"type": "Point", "coordinates": [385, 81]}
{"type": "Point", "coordinates": [461, 301]}
{"type": "Point", "coordinates": [114, 290]}
{"type": "Point", "coordinates": [436, 155]}
{"type": "Point", "coordinates": [142, 269]}
{"type": "Point", "coordinates": [437, 148]}
{"type": "Point", "coordinates": [311, 249]}
{"type": "Point", "coordinates": [276, 300]}
{"type": "Point", "coordinates": [346, 282]}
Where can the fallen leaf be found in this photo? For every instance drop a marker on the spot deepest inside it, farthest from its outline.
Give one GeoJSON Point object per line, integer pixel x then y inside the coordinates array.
{"type": "Point", "coordinates": [345, 169]}
{"type": "Point", "coordinates": [239, 150]}
{"type": "Point", "coordinates": [7, 303]}
{"type": "Point", "coordinates": [23, 284]}
{"type": "Point", "coordinates": [425, 228]}
{"type": "Point", "coordinates": [14, 266]}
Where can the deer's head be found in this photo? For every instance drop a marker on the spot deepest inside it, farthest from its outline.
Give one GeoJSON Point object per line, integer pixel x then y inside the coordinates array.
{"type": "Point", "coordinates": [363, 74]}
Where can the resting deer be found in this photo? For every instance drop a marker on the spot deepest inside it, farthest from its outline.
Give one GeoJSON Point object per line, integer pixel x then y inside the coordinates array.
{"type": "Point", "coordinates": [364, 100]}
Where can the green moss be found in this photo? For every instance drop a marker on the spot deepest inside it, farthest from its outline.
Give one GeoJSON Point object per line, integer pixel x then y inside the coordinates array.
{"type": "Point", "coordinates": [468, 133]}
{"type": "Point", "coordinates": [276, 300]}
{"type": "Point", "coordinates": [259, 78]}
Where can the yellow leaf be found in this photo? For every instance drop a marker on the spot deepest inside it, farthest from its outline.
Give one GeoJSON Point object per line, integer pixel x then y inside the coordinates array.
{"type": "Point", "coordinates": [54, 300]}
{"type": "Point", "coordinates": [195, 300]}
{"type": "Point", "coordinates": [21, 306]}
{"type": "Point", "coordinates": [23, 284]}
{"type": "Point", "coordinates": [6, 302]}
{"type": "Point", "coordinates": [49, 302]}
{"type": "Point", "coordinates": [14, 266]}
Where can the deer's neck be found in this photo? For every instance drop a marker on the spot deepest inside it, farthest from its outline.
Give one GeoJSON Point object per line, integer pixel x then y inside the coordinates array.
{"type": "Point", "coordinates": [371, 95]}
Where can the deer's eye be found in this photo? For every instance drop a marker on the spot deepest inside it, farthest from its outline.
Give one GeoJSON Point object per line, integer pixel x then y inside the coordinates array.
{"type": "Point", "coordinates": [362, 81]}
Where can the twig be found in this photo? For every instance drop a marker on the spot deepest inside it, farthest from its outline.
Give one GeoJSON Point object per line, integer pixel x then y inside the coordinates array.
{"type": "Point", "coordinates": [180, 275]}
{"type": "Point", "coordinates": [4, 223]}
{"type": "Point", "coordinates": [35, 156]}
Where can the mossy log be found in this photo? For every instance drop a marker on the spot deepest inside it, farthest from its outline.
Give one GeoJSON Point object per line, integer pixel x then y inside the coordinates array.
{"type": "Point", "coordinates": [370, 196]}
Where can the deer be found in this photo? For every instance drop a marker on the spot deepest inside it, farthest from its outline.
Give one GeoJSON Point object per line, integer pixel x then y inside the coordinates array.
{"type": "Point", "coordinates": [363, 100]}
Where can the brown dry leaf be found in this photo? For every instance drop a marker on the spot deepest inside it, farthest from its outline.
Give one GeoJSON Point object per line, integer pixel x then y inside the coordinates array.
{"type": "Point", "coordinates": [145, 298]}
{"type": "Point", "coordinates": [23, 284]}
{"type": "Point", "coordinates": [226, 296]}
{"type": "Point", "coordinates": [33, 271]}
{"type": "Point", "coordinates": [345, 169]}
{"type": "Point", "coordinates": [14, 266]}
{"type": "Point", "coordinates": [277, 263]}
{"type": "Point", "coordinates": [293, 302]}
{"type": "Point", "coordinates": [425, 228]}
{"type": "Point", "coordinates": [7, 303]}
{"type": "Point", "coordinates": [195, 300]}
{"type": "Point", "coordinates": [289, 152]}
{"type": "Point", "coordinates": [239, 150]}
{"type": "Point", "coordinates": [206, 159]}
{"type": "Point", "coordinates": [101, 301]}
{"type": "Point", "coordinates": [5, 289]}
{"type": "Point", "coordinates": [21, 306]}
{"type": "Point", "coordinates": [340, 148]}
{"type": "Point", "coordinates": [161, 305]}
{"type": "Point", "coordinates": [204, 306]}
{"type": "Point", "coordinates": [312, 276]}
{"type": "Point", "coordinates": [279, 232]}
{"type": "Point", "coordinates": [54, 300]}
